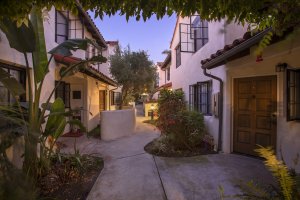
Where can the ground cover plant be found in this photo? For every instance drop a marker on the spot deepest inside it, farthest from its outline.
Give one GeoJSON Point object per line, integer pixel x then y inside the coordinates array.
{"type": "Point", "coordinates": [70, 177]}
{"type": "Point", "coordinates": [287, 185]}
{"type": "Point", "coordinates": [182, 131]}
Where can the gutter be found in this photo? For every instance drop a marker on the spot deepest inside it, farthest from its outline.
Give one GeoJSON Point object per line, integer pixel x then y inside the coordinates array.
{"type": "Point", "coordinates": [243, 46]}
{"type": "Point", "coordinates": [220, 134]}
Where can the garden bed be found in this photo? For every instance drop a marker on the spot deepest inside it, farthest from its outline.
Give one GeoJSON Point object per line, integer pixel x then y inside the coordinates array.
{"type": "Point", "coordinates": [70, 177]}
{"type": "Point", "coordinates": [159, 148]}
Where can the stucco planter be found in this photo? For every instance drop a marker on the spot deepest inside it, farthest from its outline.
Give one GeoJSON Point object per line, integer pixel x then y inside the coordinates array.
{"type": "Point", "coordinates": [117, 123]}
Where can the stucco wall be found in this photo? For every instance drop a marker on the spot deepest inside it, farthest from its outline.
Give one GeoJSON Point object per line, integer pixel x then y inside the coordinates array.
{"type": "Point", "coordinates": [190, 72]}
{"type": "Point", "coordinates": [288, 133]}
{"type": "Point", "coordinates": [113, 120]}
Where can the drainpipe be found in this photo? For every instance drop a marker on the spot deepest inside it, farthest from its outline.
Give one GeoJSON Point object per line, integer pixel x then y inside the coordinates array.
{"type": "Point", "coordinates": [220, 106]}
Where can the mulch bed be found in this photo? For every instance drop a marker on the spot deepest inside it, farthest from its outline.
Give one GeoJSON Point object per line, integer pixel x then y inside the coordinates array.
{"type": "Point", "coordinates": [67, 180]}
{"type": "Point", "coordinates": [73, 134]}
{"type": "Point", "coordinates": [202, 149]}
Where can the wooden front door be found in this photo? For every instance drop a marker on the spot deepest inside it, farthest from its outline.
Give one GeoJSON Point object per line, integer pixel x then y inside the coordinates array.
{"type": "Point", "coordinates": [254, 113]}
{"type": "Point", "coordinates": [102, 100]}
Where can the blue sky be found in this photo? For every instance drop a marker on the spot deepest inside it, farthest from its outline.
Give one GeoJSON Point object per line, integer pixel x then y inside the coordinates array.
{"type": "Point", "coordinates": [154, 35]}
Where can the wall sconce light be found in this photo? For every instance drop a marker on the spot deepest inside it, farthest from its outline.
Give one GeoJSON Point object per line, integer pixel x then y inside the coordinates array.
{"type": "Point", "coordinates": [280, 67]}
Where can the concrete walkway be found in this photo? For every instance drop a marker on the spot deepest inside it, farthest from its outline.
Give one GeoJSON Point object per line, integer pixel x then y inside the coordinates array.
{"type": "Point", "coordinates": [131, 174]}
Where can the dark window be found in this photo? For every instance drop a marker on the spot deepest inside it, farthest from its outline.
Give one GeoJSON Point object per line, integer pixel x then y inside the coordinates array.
{"type": "Point", "coordinates": [63, 92]}
{"type": "Point", "coordinates": [76, 94]}
{"type": "Point", "coordinates": [61, 27]}
{"type": "Point", "coordinates": [20, 75]}
{"type": "Point", "coordinates": [157, 80]}
{"type": "Point", "coordinates": [168, 73]}
{"type": "Point", "coordinates": [115, 98]}
{"type": "Point", "coordinates": [200, 97]}
{"type": "Point", "coordinates": [178, 56]}
{"type": "Point", "coordinates": [293, 95]}
{"type": "Point", "coordinates": [200, 33]}
{"type": "Point", "coordinates": [93, 51]}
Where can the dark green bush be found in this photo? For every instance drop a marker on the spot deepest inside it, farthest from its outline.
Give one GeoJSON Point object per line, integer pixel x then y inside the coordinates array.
{"type": "Point", "coordinates": [169, 104]}
{"type": "Point", "coordinates": [184, 129]}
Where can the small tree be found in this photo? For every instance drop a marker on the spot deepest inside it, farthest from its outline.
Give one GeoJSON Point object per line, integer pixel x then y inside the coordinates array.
{"type": "Point", "coordinates": [133, 71]}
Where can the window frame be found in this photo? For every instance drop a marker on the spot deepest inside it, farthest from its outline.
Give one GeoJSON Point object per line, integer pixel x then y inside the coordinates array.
{"type": "Point", "coordinates": [178, 55]}
{"type": "Point", "coordinates": [66, 87]}
{"type": "Point", "coordinates": [66, 26]}
{"type": "Point", "coordinates": [195, 97]}
{"type": "Point", "coordinates": [296, 88]}
{"type": "Point", "coordinates": [168, 73]}
{"type": "Point", "coordinates": [22, 74]}
{"type": "Point", "coordinates": [202, 27]}
{"type": "Point", "coordinates": [113, 98]}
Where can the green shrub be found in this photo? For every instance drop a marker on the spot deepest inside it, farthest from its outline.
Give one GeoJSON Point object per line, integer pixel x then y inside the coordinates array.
{"type": "Point", "coordinates": [169, 104]}
{"type": "Point", "coordinates": [184, 129]}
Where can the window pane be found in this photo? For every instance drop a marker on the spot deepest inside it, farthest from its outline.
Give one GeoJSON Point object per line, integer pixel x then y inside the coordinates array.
{"type": "Point", "coordinates": [3, 95]}
{"type": "Point", "coordinates": [61, 18]}
{"type": "Point", "coordinates": [62, 29]}
{"type": "Point", "coordinates": [61, 39]}
{"type": "Point", "coordinates": [15, 74]}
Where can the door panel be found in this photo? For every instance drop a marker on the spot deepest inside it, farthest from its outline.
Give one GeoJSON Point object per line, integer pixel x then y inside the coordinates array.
{"type": "Point", "coordinates": [102, 100]}
{"type": "Point", "coordinates": [254, 105]}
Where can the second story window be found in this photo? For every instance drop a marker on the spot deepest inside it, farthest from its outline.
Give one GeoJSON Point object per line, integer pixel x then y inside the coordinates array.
{"type": "Point", "coordinates": [178, 56]}
{"type": "Point", "coordinates": [168, 73]}
{"type": "Point", "coordinates": [61, 27]}
{"type": "Point", "coordinates": [200, 32]}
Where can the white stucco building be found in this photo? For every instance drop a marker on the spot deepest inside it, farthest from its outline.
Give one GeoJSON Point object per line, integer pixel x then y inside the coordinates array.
{"type": "Point", "coordinates": [92, 90]}
{"type": "Point", "coordinates": [244, 100]}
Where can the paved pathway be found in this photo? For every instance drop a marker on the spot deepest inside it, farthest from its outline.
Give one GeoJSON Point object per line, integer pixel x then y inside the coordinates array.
{"type": "Point", "coordinates": [131, 174]}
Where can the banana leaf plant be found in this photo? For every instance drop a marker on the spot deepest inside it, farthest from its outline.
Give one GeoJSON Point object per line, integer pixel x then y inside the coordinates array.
{"type": "Point", "coordinates": [29, 40]}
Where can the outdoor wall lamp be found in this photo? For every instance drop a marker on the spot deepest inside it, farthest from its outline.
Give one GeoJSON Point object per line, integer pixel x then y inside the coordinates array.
{"type": "Point", "coordinates": [280, 67]}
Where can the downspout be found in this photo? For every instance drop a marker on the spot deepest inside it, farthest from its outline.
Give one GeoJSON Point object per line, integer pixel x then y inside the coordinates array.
{"type": "Point", "coordinates": [220, 110]}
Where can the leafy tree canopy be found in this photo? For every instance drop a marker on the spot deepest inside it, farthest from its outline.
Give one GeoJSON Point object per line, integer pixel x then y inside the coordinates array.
{"type": "Point", "coordinates": [133, 71]}
{"type": "Point", "coordinates": [279, 14]}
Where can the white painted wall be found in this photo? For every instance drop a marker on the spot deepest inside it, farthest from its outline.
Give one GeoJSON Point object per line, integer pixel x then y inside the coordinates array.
{"type": "Point", "coordinates": [190, 72]}
{"type": "Point", "coordinates": [113, 120]}
{"type": "Point", "coordinates": [288, 133]}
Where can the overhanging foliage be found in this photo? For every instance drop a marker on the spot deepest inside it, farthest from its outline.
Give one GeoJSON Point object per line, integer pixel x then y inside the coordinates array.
{"type": "Point", "coordinates": [279, 14]}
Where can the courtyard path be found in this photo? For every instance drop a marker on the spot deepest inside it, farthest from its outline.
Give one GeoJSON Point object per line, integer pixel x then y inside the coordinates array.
{"type": "Point", "coordinates": [131, 174]}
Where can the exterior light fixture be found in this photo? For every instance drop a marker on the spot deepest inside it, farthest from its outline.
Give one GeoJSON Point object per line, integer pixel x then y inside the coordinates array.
{"type": "Point", "coordinates": [280, 67]}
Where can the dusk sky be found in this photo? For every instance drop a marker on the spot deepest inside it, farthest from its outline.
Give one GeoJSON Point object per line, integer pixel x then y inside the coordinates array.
{"type": "Point", "coordinates": [154, 35]}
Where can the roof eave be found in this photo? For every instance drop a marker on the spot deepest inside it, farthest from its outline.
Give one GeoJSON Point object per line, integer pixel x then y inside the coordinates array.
{"type": "Point", "coordinates": [89, 20]}
{"type": "Point", "coordinates": [99, 77]}
{"type": "Point", "coordinates": [216, 62]}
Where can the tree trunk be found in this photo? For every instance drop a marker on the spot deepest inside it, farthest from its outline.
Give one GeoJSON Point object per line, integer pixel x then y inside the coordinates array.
{"type": "Point", "coordinates": [30, 165]}
{"type": "Point", "coordinates": [124, 96]}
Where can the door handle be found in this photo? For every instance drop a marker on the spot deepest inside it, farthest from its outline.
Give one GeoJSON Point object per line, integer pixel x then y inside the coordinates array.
{"type": "Point", "coordinates": [273, 117]}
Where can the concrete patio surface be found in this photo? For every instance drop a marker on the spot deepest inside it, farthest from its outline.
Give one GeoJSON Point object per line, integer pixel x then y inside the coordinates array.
{"type": "Point", "coordinates": [131, 174]}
